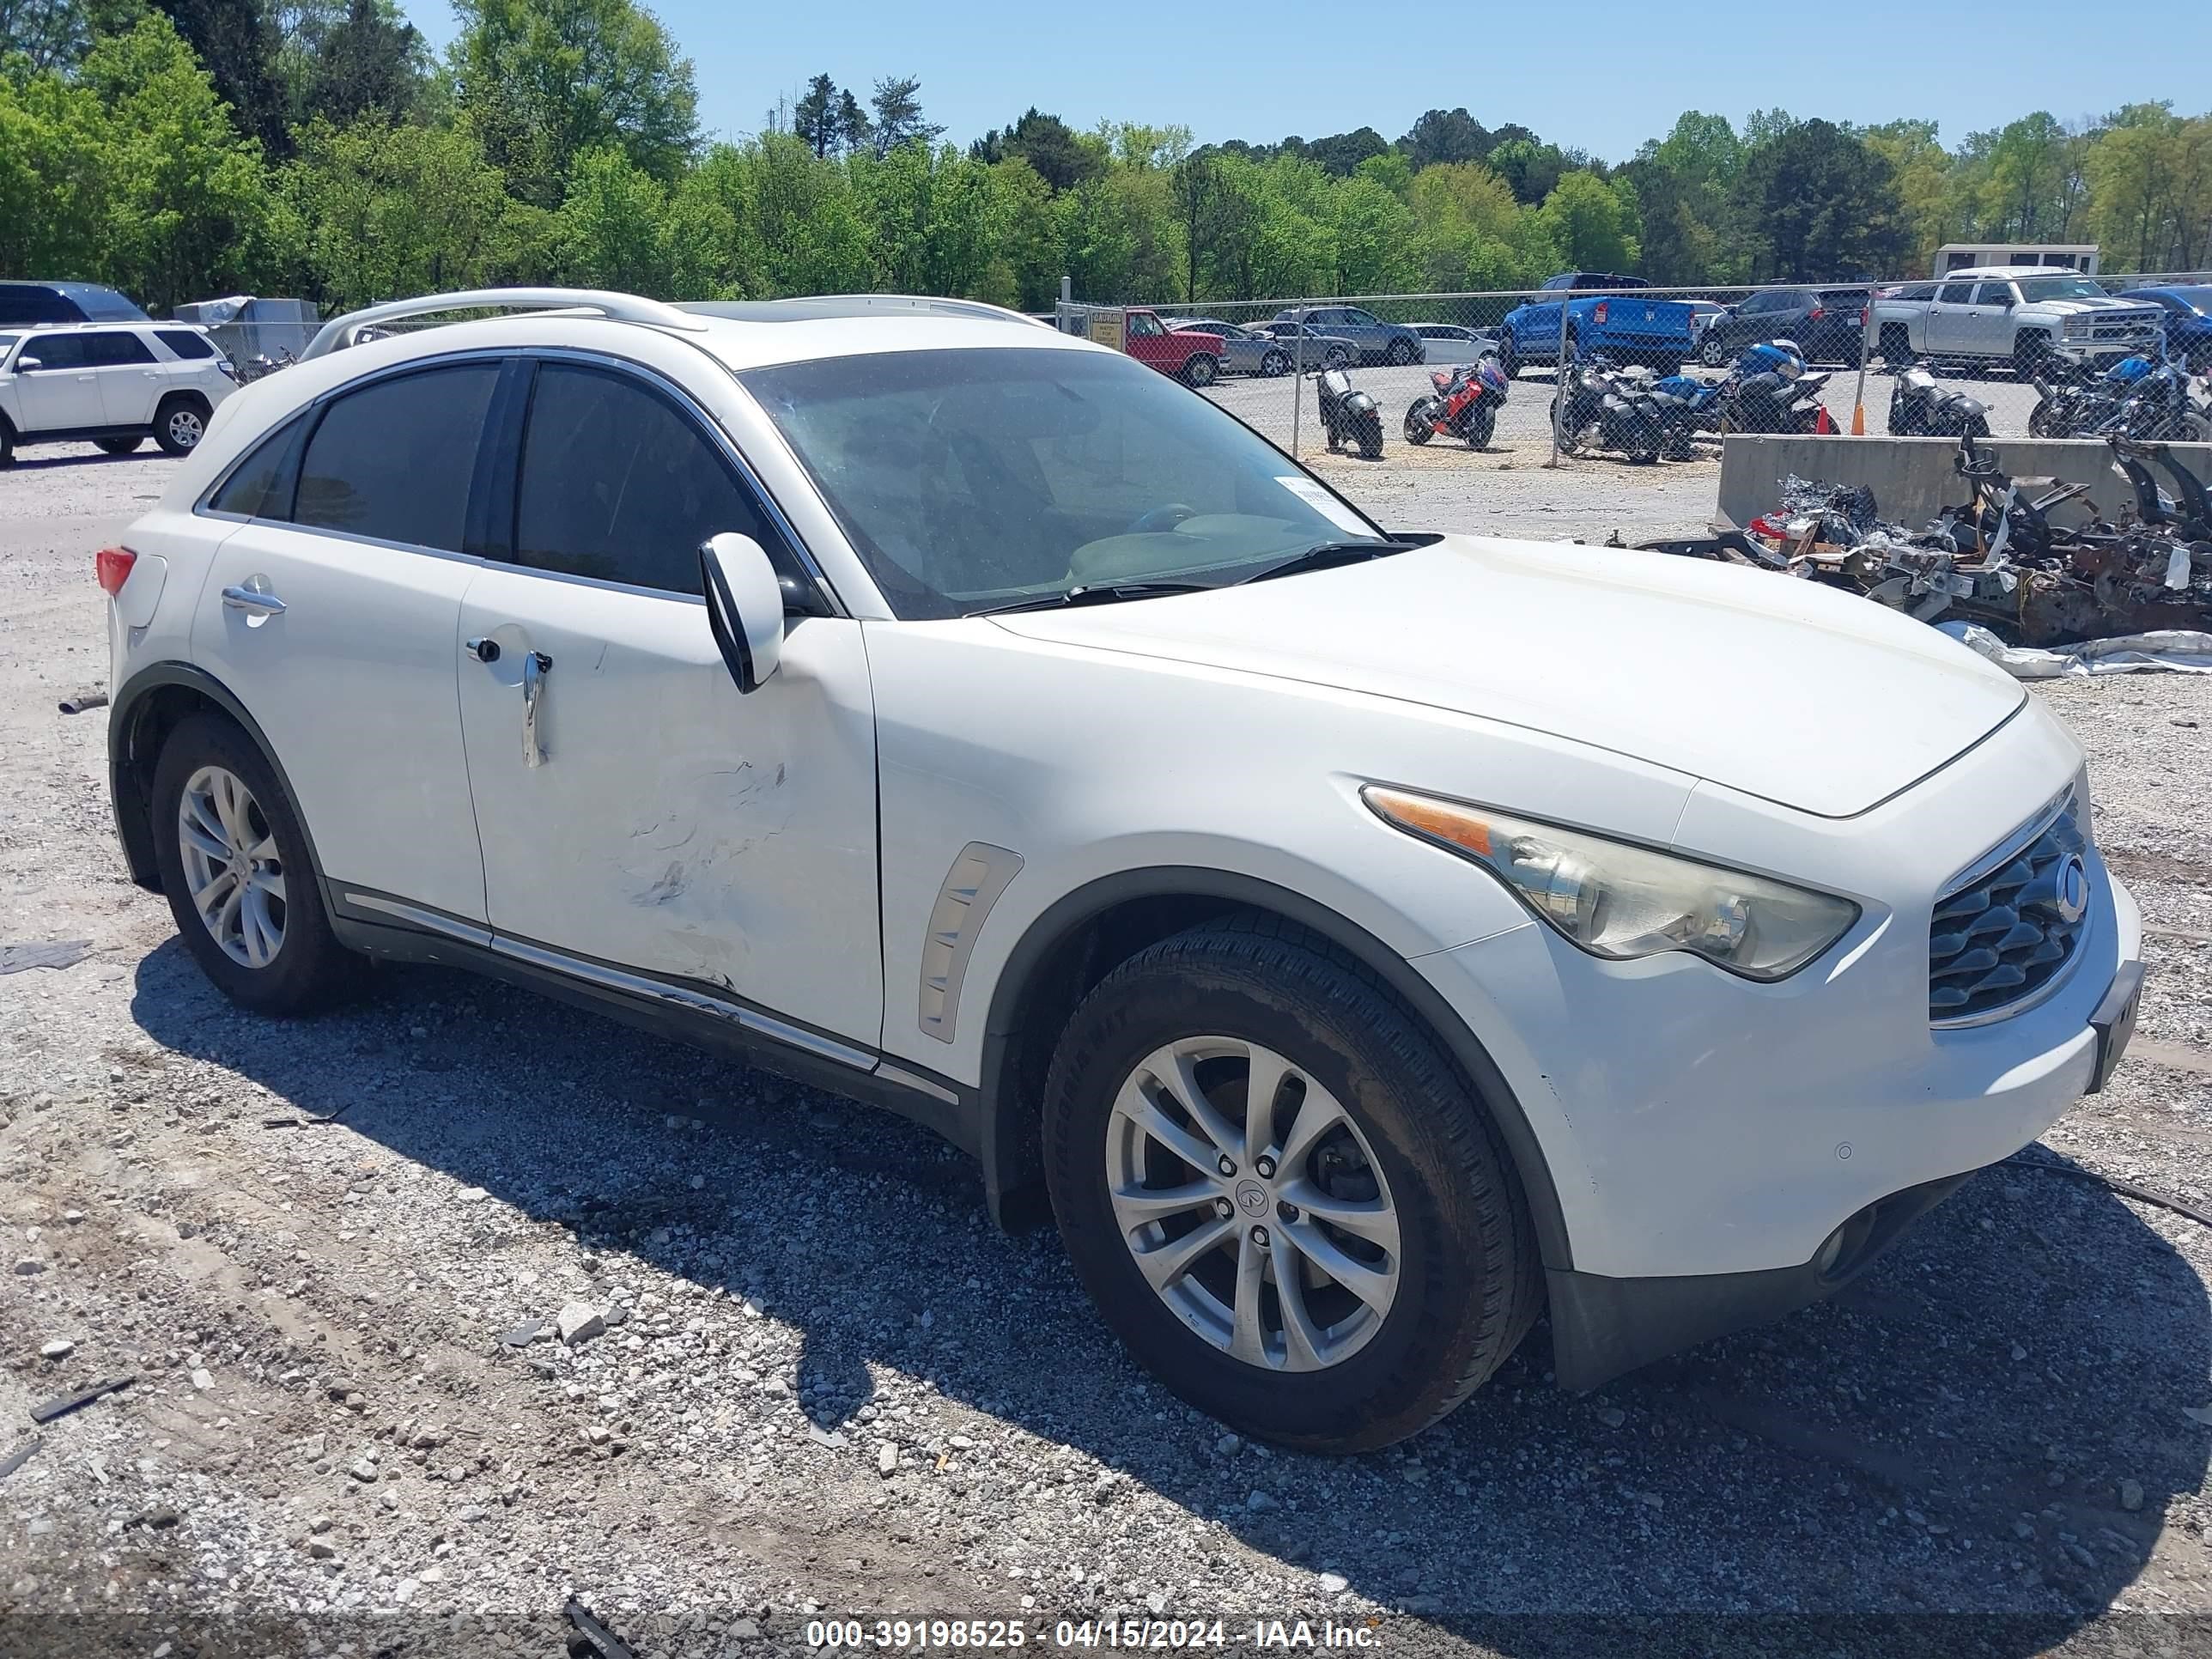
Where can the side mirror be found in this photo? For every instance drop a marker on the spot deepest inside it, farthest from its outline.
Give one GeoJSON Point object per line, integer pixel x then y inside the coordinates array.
{"type": "Point", "coordinates": [745, 607]}
{"type": "Point", "coordinates": [24, 365]}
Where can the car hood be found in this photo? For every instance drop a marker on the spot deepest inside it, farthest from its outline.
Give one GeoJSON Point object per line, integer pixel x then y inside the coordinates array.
{"type": "Point", "coordinates": [1782, 688]}
{"type": "Point", "coordinates": [2069, 308]}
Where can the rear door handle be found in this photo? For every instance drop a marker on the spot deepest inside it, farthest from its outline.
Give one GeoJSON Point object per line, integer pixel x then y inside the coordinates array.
{"type": "Point", "coordinates": [536, 666]}
{"type": "Point", "coordinates": [253, 599]}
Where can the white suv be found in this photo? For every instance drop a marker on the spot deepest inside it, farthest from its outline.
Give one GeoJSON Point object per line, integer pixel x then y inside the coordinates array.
{"type": "Point", "coordinates": [113, 384]}
{"type": "Point", "coordinates": [1361, 938]}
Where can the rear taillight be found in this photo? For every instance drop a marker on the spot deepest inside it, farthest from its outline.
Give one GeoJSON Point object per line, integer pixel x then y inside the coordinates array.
{"type": "Point", "coordinates": [113, 566]}
{"type": "Point", "coordinates": [1598, 315]}
{"type": "Point", "coordinates": [1862, 316]}
{"type": "Point", "coordinates": [1814, 314]}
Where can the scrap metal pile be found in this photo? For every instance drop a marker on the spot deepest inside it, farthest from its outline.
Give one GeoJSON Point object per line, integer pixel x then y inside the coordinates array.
{"type": "Point", "coordinates": [1997, 560]}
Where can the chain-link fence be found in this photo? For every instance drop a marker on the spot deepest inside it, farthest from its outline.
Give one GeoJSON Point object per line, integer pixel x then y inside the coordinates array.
{"type": "Point", "coordinates": [1653, 373]}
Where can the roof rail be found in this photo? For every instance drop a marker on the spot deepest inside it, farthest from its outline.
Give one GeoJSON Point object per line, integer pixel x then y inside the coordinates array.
{"type": "Point", "coordinates": [820, 307]}
{"type": "Point", "coordinates": [341, 331]}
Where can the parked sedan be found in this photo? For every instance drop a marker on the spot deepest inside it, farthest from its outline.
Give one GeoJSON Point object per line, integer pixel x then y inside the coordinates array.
{"type": "Point", "coordinates": [2188, 320]}
{"type": "Point", "coordinates": [1376, 341]}
{"type": "Point", "coordinates": [1449, 342]}
{"type": "Point", "coordinates": [1328, 350]}
{"type": "Point", "coordinates": [1243, 350]}
{"type": "Point", "coordinates": [1826, 323]}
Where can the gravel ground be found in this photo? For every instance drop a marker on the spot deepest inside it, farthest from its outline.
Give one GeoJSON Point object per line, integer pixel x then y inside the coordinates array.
{"type": "Point", "coordinates": [826, 1383]}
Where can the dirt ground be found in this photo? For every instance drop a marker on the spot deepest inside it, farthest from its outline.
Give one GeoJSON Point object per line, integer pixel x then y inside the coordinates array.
{"type": "Point", "coordinates": [829, 1385]}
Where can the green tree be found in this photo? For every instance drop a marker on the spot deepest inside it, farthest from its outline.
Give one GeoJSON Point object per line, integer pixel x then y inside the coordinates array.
{"type": "Point", "coordinates": [1592, 222]}
{"type": "Point", "coordinates": [341, 58]}
{"type": "Point", "coordinates": [896, 102]}
{"type": "Point", "coordinates": [1062, 157]}
{"type": "Point", "coordinates": [55, 34]}
{"type": "Point", "coordinates": [611, 230]}
{"type": "Point", "coordinates": [1822, 206]}
{"type": "Point", "coordinates": [1445, 136]}
{"type": "Point", "coordinates": [235, 41]}
{"type": "Point", "coordinates": [544, 80]}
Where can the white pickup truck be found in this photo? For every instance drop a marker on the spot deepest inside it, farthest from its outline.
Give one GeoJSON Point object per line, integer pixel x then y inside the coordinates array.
{"type": "Point", "coordinates": [2017, 315]}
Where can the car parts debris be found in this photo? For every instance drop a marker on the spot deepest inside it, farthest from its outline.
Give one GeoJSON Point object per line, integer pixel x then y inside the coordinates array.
{"type": "Point", "coordinates": [63, 1405]}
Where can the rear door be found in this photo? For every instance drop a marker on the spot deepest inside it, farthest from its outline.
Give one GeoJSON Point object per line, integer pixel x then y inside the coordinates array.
{"type": "Point", "coordinates": [1950, 319]}
{"type": "Point", "coordinates": [62, 394]}
{"type": "Point", "coordinates": [333, 612]}
{"type": "Point", "coordinates": [650, 819]}
{"type": "Point", "coordinates": [131, 378]}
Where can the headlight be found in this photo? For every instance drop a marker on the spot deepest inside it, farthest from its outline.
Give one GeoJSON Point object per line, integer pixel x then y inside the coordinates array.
{"type": "Point", "coordinates": [1622, 902]}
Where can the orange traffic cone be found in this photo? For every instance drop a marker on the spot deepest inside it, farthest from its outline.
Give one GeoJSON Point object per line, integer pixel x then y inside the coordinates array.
{"type": "Point", "coordinates": [1824, 427]}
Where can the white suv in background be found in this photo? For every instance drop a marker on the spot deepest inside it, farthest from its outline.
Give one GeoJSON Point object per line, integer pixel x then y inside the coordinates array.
{"type": "Point", "coordinates": [1362, 938]}
{"type": "Point", "coordinates": [111, 384]}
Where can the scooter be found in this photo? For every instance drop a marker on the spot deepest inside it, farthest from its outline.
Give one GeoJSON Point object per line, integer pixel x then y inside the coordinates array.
{"type": "Point", "coordinates": [1465, 405]}
{"type": "Point", "coordinates": [1920, 406]}
{"type": "Point", "coordinates": [1348, 415]}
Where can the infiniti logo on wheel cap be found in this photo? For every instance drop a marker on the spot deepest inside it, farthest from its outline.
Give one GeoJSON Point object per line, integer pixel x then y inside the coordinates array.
{"type": "Point", "coordinates": [1252, 1198]}
{"type": "Point", "coordinates": [2072, 882]}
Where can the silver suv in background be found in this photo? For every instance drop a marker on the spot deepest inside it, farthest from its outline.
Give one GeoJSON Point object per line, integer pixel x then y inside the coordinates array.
{"type": "Point", "coordinates": [111, 384]}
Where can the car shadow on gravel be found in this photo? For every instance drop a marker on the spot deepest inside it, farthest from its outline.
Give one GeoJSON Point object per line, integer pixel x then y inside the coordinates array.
{"type": "Point", "coordinates": [1991, 1422]}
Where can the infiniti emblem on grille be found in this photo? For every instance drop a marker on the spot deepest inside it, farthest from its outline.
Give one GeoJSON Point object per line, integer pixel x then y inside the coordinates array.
{"type": "Point", "coordinates": [2072, 881]}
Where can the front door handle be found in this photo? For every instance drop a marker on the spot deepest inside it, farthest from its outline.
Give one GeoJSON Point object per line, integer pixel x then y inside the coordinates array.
{"type": "Point", "coordinates": [536, 666]}
{"type": "Point", "coordinates": [253, 599]}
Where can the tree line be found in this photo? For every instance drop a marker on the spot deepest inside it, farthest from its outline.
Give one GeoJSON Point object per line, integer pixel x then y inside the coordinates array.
{"type": "Point", "coordinates": [182, 149]}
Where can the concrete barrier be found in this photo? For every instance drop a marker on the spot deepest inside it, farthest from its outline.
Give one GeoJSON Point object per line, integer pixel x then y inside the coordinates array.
{"type": "Point", "coordinates": [1913, 478]}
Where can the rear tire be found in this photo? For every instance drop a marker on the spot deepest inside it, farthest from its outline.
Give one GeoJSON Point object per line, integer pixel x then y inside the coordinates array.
{"type": "Point", "coordinates": [1897, 346]}
{"type": "Point", "coordinates": [180, 423]}
{"type": "Point", "coordinates": [2040, 424]}
{"type": "Point", "coordinates": [7, 444]}
{"type": "Point", "coordinates": [118, 446]}
{"type": "Point", "coordinates": [1711, 353]}
{"type": "Point", "coordinates": [1275, 365]}
{"type": "Point", "coordinates": [1399, 354]}
{"type": "Point", "coordinates": [1444, 1247]}
{"type": "Point", "coordinates": [263, 938]}
{"type": "Point", "coordinates": [1508, 358]}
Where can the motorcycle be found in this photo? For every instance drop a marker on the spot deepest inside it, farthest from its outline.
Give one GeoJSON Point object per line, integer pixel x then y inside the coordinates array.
{"type": "Point", "coordinates": [1607, 409]}
{"type": "Point", "coordinates": [262, 365]}
{"type": "Point", "coordinates": [2138, 398]}
{"type": "Point", "coordinates": [1769, 391]}
{"type": "Point", "coordinates": [1348, 415]}
{"type": "Point", "coordinates": [1465, 405]}
{"type": "Point", "coordinates": [1920, 406]}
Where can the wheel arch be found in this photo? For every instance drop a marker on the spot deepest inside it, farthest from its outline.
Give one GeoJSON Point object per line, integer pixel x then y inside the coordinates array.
{"type": "Point", "coordinates": [151, 705]}
{"type": "Point", "coordinates": [1081, 937]}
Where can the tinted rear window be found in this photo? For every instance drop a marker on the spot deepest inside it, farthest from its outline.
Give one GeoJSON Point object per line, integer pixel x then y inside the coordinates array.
{"type": "Point", "coordinates": [184, 343]}
{"type": "Point", "coordinates": [395, 459]}
{"type": "Point", "coordinates": [259, 489]}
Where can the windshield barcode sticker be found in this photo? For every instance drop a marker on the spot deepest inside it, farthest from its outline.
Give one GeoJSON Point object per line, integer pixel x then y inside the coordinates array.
{"type": "Point", "coordinates": [1325, 504]}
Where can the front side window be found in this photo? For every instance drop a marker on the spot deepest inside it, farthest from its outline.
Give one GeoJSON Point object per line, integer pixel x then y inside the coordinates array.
{"type": "Point", "coordinates": [1143, 327]}
{"type": "Point", "coordinates": [972, 478]}
{"type": "Point", "coordinates": [56, 350]}
{"type": "Point", "coordinates": [619, 485]}
{"type": "Point", "coordinates": [1363, 318]}
{"type": "Point", "coordinates": [395, 459]}
{"type": "Point", "coordinates": [116, 348]}
{"type": "Point", "coordinates": [1997, 294]}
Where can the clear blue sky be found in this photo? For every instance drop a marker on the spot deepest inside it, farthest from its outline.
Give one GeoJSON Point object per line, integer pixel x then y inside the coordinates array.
{"type": "Point", "coordinates": [1345, 65]}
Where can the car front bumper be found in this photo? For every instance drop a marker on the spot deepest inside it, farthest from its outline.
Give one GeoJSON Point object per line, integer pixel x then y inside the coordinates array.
{"type": "Point", "coordinates": [1722, 1151]}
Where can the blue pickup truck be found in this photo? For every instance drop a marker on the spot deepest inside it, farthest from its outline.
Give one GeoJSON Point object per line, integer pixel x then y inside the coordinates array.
{"type": "Point", "coordinates": [1625, 326]}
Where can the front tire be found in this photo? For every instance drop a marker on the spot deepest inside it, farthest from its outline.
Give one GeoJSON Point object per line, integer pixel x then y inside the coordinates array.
{"type": "Point", "coordinates": [1420, 420]}
{"type": "Point", "coordinates": [118, 446]}
{"type": "Point", "coordinates": [1508, 358]}
{"type": "Point", "coordinates": [1400, 352]}
{"type": "Point", "coordinates": [1484, 429]}
{"type": "Point", "coordinates": [1201, 370]}
{"type": "Point", "coordinates": [1275, 365]}
{"type": "Point", "coordinates": [1711, 352]}
{"type": "Point", "coordinates": [1371, 1185]}
{"type": "Point", "coordinates": [2030, 352]}
{"type": "Point", "coordinates": [234, 867]}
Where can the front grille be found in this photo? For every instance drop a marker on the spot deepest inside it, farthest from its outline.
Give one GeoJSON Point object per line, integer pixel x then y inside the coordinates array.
{"type": "Point", "coordinates": [2002, 935]}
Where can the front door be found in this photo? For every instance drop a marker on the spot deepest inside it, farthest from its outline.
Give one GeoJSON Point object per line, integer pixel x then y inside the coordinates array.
{"type": "Point", "coordinates": [1146, 339]}
{"type": "Point", "coordinates": [62, 394]}
{"type": "Point", "coordinates": [636, 811]}
{"type": "Point", "coordinates": [332, 613]}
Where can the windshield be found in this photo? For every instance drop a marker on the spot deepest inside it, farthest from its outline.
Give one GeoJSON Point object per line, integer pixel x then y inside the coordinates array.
{"type": "Point", "coordinates": [2198, 299]}
{"type": "Point", "coordinates": [974, 478]}
{"type": "Point", "coordinates": [2033, 288]}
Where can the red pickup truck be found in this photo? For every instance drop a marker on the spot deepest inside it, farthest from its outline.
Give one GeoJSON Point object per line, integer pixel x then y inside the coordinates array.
{"type": "Point", "coordinates": [1192, 357]}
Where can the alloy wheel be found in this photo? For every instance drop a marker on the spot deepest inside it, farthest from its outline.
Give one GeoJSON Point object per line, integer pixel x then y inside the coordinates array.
{"type": "Point", "coordinates": [232, 870]}
{"type": "Point", "coordinates": [186, 427]}
{"type": "Point", "coordinates": [1252, 1204]}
